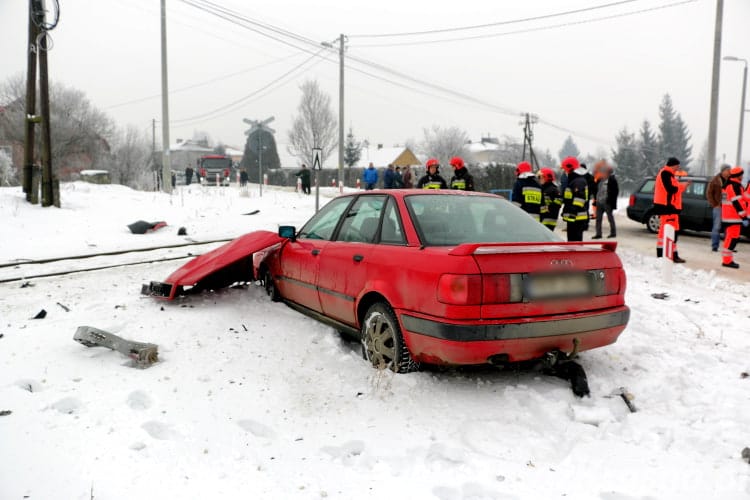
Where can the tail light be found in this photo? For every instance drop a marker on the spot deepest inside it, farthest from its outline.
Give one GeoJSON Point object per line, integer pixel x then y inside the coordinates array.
{"type": "Point", "coordinates": [502, 288]}
{"type": "Point", "coordinates": [460, 289]}
{"type": "Point", "coordinates": [631, 200]}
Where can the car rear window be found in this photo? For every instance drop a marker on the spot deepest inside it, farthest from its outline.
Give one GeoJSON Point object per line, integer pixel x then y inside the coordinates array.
{"type": "Point", "coordinates": [648, 187]}
{"type": "Point", "coordinates": [448, 220]}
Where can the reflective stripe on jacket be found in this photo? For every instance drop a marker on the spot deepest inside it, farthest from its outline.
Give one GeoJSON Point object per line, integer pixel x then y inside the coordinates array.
{"type": "Point", "coordinates": [733, 204]}
{"type": "Point", "coordinates": [574, 199]}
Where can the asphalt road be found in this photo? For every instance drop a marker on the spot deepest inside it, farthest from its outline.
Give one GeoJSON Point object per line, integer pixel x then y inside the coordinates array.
{"type": "Point", "coordinates": [694, 247]}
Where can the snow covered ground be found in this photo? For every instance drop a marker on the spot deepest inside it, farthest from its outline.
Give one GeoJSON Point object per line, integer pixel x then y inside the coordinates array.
{"type": "Point", "coordinates": [253, 400]}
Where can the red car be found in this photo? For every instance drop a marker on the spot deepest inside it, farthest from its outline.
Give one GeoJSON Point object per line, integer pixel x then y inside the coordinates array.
{"type": "Point", "coordinates": [447, 277]}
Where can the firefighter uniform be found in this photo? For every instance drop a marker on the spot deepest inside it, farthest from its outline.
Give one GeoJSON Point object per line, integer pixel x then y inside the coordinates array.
{"type": "Point", "coordinates": [733, 214]}
{"type": "Point", "coordinates": [552, 204]}
{"type": "Point", "coordinates": [668, 204]}
{"type": "Point", "coordinates": [527, 193]}
{"type": "Point", "coordinates": [575, 198]}
{"type": "Point", "coordinates": [462, 179]}
{"type": "Point", "coordinates": [432, 179]}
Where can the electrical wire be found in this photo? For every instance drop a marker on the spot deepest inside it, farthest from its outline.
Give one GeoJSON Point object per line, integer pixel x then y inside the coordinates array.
{"type": "Point", "coordinates": [529, 30]}
{"type": "Point", "coordinates": [497, 23]}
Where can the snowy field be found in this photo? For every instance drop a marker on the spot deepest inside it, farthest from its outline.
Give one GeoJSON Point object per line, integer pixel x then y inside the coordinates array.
{"type": "Point", "coordinates": [252, 400]}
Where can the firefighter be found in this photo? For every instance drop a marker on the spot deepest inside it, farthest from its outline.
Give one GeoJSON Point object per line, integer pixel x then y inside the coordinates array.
{"type": "Point", "coordinates": [432, 179]}
{"type": "Point", "coordinates": [527, 193]}
{"type": "Point", "coordinates": [733, 216]}
{"type": "Point", "coordinates": [461, 179]}
{"type": "Point", "coordinates": [668, 203]}
{"type": "Point", "coordinates": [575, 198]}
{"type": "Point", "coordinates": [551, 196]}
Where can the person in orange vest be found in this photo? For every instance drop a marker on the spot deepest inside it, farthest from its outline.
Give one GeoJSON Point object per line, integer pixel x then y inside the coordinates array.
{"type": "Point", "coordinates": [668, 204]}
{"type": "Point", "coordinates": [733, 216]}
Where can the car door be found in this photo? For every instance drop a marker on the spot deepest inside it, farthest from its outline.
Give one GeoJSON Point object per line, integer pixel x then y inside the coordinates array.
{"type": "Point", "coordinates": [696, 211]}
{"type": "Point", "coordinates": [299, 260]}
{"type": "Point", "coordinates": [344, 268]}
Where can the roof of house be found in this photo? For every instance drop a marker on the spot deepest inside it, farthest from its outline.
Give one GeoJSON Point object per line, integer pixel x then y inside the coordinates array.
{"type": "Point", "coordinates": [381, 157]}
{"type": "Point", "coordinates": [190, 146]}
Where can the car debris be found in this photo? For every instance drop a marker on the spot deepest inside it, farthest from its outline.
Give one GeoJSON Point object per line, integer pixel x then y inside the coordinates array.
{"type": "Point", "coordinates": [143, 353]}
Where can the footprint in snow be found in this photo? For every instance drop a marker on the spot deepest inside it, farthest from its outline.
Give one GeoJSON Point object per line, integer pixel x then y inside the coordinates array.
{"type": "Point", "coordinates": [139, 400]}
{"type": "Point", "coordinates": [67, 405]}
{"type": "Point", "coordinates": [257, 429]}
{"type": "Point", "coordinates": [29, 385]}
{"type": "Point", "coordinates": [345, 451]}
{"type": "Point", "coordinates": [158, 430]}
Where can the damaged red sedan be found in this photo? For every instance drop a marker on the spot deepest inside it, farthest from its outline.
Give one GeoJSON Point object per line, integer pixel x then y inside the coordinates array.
{"type": "Point", "coordinates": [447, 277]}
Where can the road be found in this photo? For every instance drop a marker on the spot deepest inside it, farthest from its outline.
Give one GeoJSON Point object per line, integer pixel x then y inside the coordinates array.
{"type": "Point", "coordinates": [694, 247]}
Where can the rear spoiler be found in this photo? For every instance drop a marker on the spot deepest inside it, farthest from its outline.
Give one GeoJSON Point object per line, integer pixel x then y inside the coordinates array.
{"type": "Point", "coordinates": [524, 247]}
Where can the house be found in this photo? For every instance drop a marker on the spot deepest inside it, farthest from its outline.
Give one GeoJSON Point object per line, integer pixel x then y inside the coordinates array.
{"type": "Point", "coordinates": [381, 157]}
{"type": "Point", "coordinates": [485, 151]}
{"type": "Point", "coordinates": [187, 153]}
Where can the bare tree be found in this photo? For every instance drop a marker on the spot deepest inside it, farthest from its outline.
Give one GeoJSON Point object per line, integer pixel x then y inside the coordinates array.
{"type": "Point", "coordinates": [131, 159]}
{"type": "Point", "coordinates": [80, 132]}
{"type": "Point", "coordinates": [7, 172]}
{"type": "Point", "coordinates": [443, 143]}
{"type": "Point", "coordinates": [314, 126]}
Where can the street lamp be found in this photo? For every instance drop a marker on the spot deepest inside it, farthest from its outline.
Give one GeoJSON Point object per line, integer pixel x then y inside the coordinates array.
{"type": "Point", "coordinates": [742, 106]}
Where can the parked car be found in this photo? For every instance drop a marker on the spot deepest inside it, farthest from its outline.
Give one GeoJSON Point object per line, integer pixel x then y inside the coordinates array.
{"type": "Point", "coordinates": [447, 277]}
{"type": "Point", "coordinates": [696, 213]}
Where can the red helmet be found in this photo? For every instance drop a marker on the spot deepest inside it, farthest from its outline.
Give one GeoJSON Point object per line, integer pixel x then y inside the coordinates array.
{"type": "Point", "coordinates": [432, 162]}
{"type": "Point", "coordinates": [523, 167]}
{"type": "Point", "coordinates": [457, 162]}
{"type": "Point", "coordinates": [736, 172]}
{"type": "Point", "coordinates": [548, 175]}
{"type": "Point", "coordinates": [570, 163]}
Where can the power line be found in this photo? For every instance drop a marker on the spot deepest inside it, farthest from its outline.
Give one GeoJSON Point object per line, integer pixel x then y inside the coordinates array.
{"type": "Point", "coordinates": [497, 23]}
{"type": "Point", "coordinates": [529, 30]}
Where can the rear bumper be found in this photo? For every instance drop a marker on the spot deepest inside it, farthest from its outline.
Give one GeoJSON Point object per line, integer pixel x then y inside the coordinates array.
{"type": "Point", "coordinates": [438, 342]}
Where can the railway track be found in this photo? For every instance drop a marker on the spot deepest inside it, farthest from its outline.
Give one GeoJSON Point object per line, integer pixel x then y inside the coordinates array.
{"type": "Point", "coordinates": [24, 270]}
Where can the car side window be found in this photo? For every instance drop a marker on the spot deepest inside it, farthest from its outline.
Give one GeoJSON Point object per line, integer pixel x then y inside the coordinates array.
{"type": "Point", "coordinates": [362, 220]}
{"type": "Point", "coordinates": [392, 231]}
{"type": "Point", "coordinates": [322, 224]}
{"type": "Point", "coordinates": [697, 189]}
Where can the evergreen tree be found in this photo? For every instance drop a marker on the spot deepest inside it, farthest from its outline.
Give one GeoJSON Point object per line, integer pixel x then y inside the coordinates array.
{"type": "Point", "coordinates": [682, 142]}
{"type": "Point", "coordinates": [352, 150]}
{"type": "Point", "coordinates": [648, 151]}
{"type": "Point", "coordinates": [569, 148]}
{"type": "Point", "coordinates": [626, 157]}
{"type": "Point", "coordinates": [674, 137]}
{"type": "Point", "coordinates": [269, 154]}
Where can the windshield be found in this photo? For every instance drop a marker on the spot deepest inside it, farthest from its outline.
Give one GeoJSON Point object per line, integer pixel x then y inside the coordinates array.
{"type": "Point", "coordinates": [445, 220]}
{"type": "Point", "coordinates": [216, 163]}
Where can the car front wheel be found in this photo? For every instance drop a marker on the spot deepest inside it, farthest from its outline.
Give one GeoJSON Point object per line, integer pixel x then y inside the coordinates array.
{"type": "Point", "coordinates": [653, 222]}
{"type": "Point", "coordinates": [382, 342]}
{"type": "Point", "coordinates": [270, 286]}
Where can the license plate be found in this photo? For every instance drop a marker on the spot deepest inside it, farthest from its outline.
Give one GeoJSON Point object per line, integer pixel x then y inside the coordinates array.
{"type": "Point", "coordinates": [557, 286]}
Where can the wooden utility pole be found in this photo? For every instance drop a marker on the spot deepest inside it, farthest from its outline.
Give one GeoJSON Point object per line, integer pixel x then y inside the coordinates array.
{"type": "Point", "coordinates": [166, 180]}
{"type": "Point", "coordinates": [48, 198]}
{"type": "Point", "coordinates": [528, 139]}
{"type": "Point", "coordinates": [714, 110]}
{"type": "Point", "coordinates": [341, 108]}
{"type": "Point", "coordinates": [32, 195]}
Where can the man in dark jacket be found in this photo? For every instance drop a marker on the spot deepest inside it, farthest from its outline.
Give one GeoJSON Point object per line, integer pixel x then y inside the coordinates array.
{"type": "Point", "coordinates": [605, 201]}
{"type": "Point", "coordinates": [713, 195]}
{"type": "Point", "coordinates": [432, 179]}
{"type": "Point", "coordinates": [575, 199]}
{"type": "Point", "coordinates": [304, 177]}
{"type": "Point", "coordinates": [461, 179]}
{"type": "Point", "coordinates": [388, 177]}
{"type": "Point", "coordinates": [527, 193]}
{"type": "Point", "coordinates": [551, 198]}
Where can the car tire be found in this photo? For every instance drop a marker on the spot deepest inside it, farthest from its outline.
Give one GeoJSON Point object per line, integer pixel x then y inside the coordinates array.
{"type": "Point", "coordinates": [382, 343]}
{"type": "Point", "coordinates": [653, 221]}
{"type": "Point", "coordinates": [270, 286]}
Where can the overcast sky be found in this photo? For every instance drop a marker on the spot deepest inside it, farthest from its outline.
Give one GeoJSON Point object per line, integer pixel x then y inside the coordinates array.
{"type": "Point", "coordinates": [591, 78]}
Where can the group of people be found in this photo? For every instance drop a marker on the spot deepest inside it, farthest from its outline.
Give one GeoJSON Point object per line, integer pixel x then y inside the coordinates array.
{"type": "Point", "coordinates": [395, 178]}
{"type": "Point", "coordinates": [730, 203]}
{"type": "Point", "coordinates": [539, 195]}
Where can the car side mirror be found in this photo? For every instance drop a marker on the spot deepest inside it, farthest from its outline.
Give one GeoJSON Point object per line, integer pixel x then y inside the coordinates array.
{"type": "Point", "coordinates": [289, 232]}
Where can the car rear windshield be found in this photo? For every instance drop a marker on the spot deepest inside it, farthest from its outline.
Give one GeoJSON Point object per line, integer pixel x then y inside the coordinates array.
{"type": "Point", "coordinates": [447, 220]}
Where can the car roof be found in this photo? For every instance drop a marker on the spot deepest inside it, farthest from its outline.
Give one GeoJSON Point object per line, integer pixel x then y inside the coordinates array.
{"type": "Point", "coordinates": [401, 193]}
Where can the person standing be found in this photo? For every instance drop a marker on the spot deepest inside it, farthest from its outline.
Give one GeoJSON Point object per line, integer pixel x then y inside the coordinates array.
{"type": "Point", "coordinates": [432, 179]}
{"type": "Point", "coordinates": [188, 175]}
{"type": "Point", "coordinates": [527, 193]}
{"type": "Point", "coordinates": [304, 177]}
{"type": "Point", "coordinates": [398, 180]}
{"type": "Point", "coordinates": [243, 177]}
{"type": "Point", "coordinates": [668, 204]}
{"type": "Point", "coordinates": [575, 199]}
{"type": "Point", "coordinates": [733, 216]}
{"type": "Point", "coordinates": [407, 178]}
{"type": "Point", "coordinates": [605, 200]}
{"type": "Point", "coordinates": [462, 179]}
{"type": "Point", "coordinates": [552, 200]}
{"type": "Point", "coordinates": [714, 193]}
{"type": "Point", "coordinates": [370, 177]}
{"type": "Point", "coordinates": [388, 177]}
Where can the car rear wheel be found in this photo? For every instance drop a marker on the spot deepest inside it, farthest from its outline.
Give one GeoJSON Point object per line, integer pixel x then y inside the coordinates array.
{"type": "Point", "coordinates": [653, 221]}
{"type": "Point", "coordinates": [382, 342]}
{"type": "Point", "coordinates": [270, 286]}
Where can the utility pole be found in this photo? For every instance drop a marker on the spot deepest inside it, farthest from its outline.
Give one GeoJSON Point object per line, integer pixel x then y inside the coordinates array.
{"type": "Point", "coordinates": [341, 108]}
{"type": "Point", "coordinates": [260, 163]}
{"type": "Point", "coordinates": [714, 113]}
{"type": "Point", "coordinates": [528, 138]}
{"type": "Point", "coordinates": [166, 176]}
{"type": "Point", "coordinates": [47, 177]}
{"type": "Point", "coordinates": [742, 117]}
{"type": "Point", "coordinates": [32, 195]}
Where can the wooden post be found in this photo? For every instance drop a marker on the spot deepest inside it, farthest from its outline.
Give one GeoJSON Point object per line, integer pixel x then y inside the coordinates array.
{"type": "Point", "coordinates": [28, 151]}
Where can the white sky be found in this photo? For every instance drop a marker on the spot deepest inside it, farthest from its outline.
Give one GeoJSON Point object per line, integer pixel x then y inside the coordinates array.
{"type": "Point", "coordinates": [592, 78]}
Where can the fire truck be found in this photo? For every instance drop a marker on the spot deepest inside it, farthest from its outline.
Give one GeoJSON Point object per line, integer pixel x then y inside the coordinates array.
{"type": "Point", "coordinates": [211, 166]}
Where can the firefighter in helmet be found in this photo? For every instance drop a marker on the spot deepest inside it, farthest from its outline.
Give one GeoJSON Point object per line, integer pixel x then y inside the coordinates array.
{"type": "Point", "coordinates": [527, 193]}
{"type": "Point", "coordinates": [668, 204]}
{"type": "Point", "coordinates": [552, 199]}
{"type": "Point", "coordinates": [461, 179]}
{"type": "Point", "coordinates": [575, 199]}
{"type": "Point", "coordinates": [733, 216]}
{"type": "Point", "coordinates": [432, 179]}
